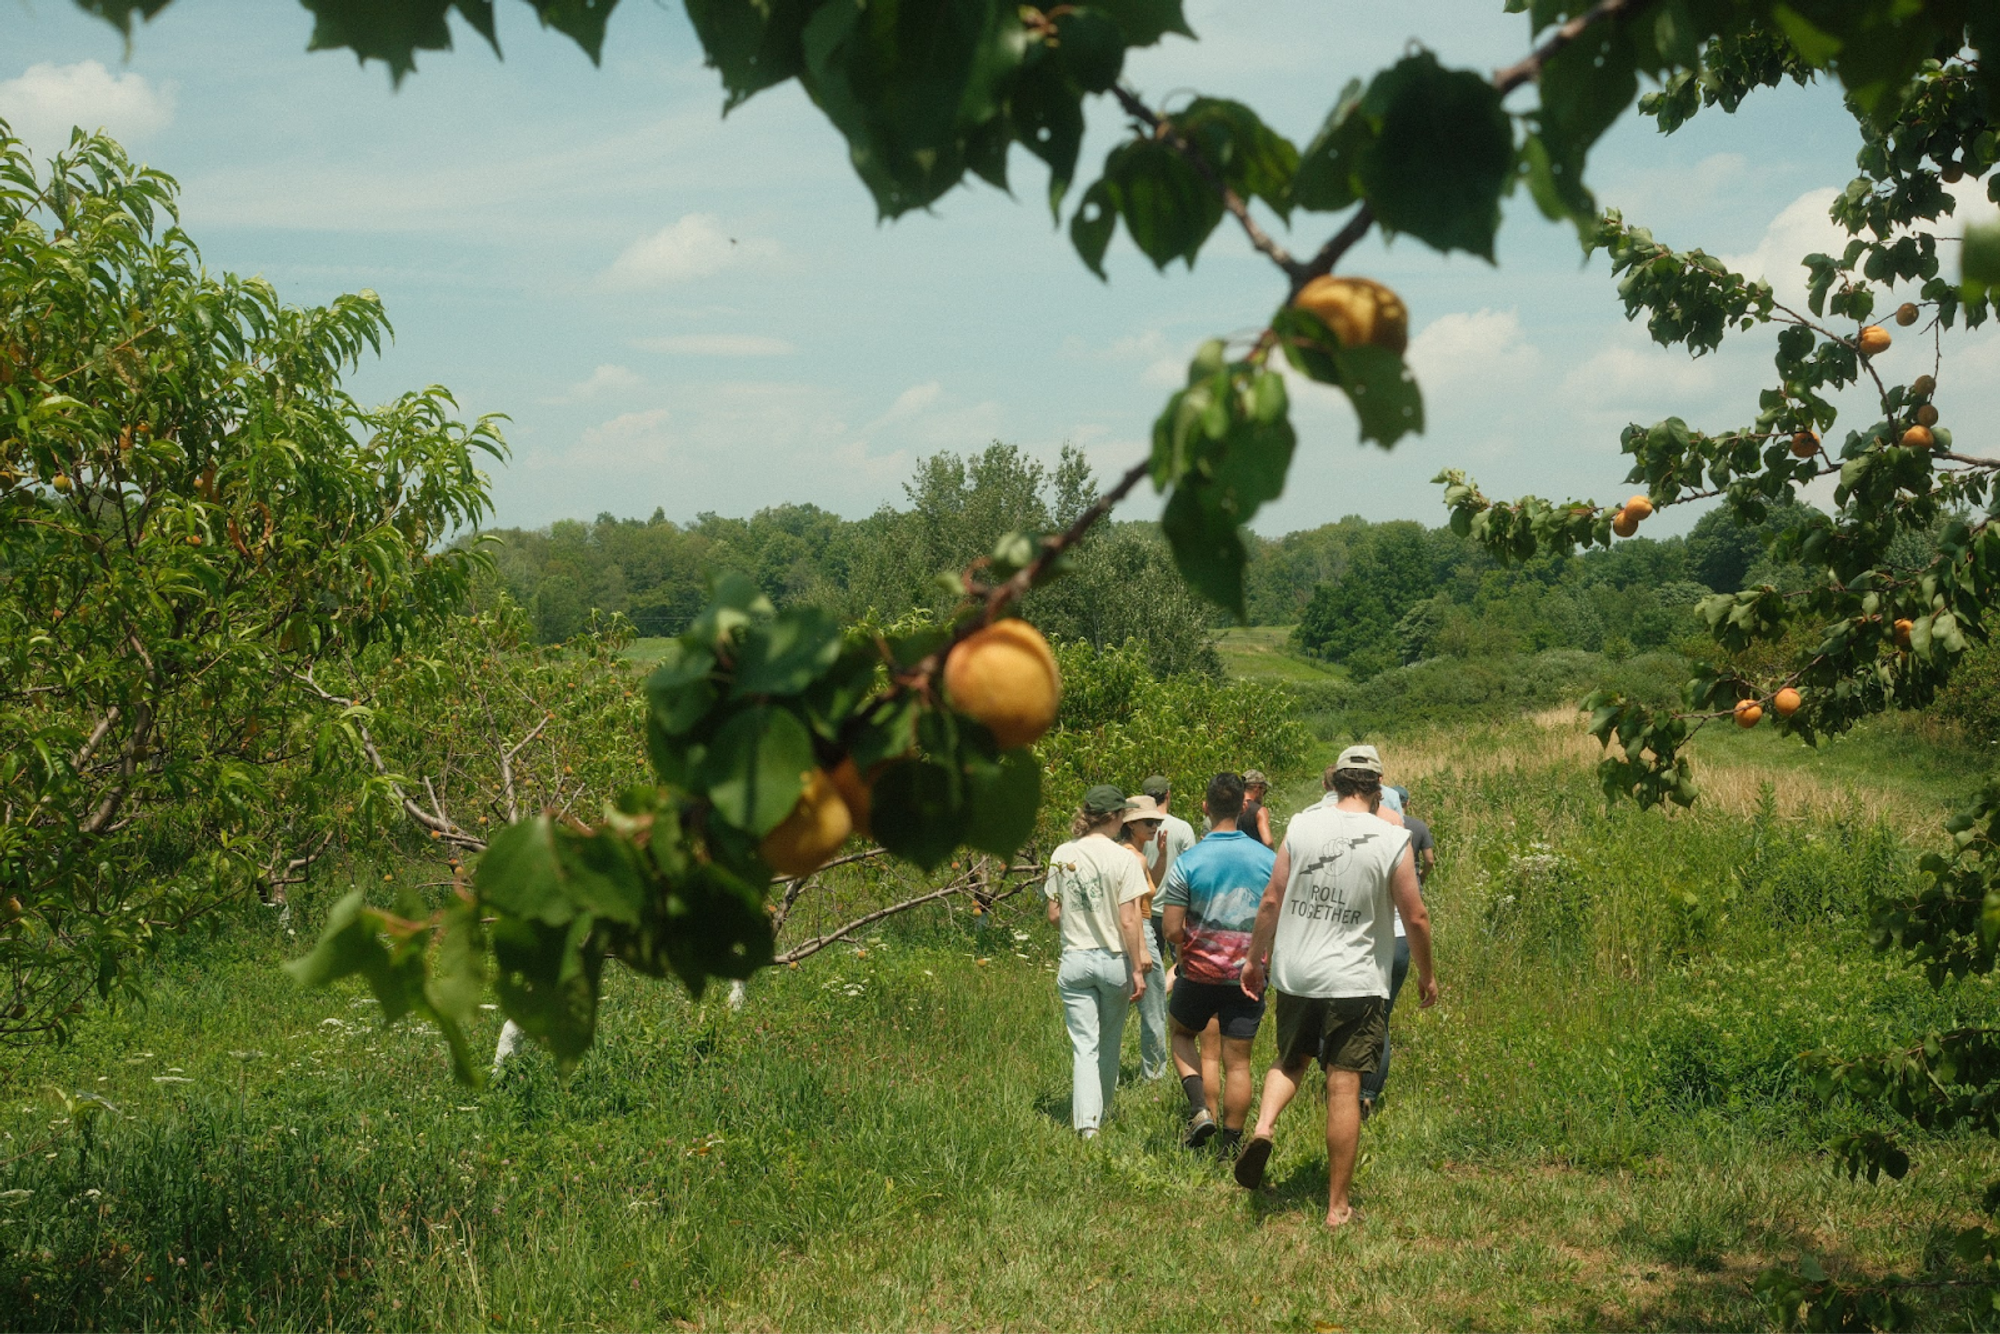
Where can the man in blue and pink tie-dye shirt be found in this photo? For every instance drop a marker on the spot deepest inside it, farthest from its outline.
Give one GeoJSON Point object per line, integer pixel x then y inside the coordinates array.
{"type": "Point", "coordinates": [1210, 901]}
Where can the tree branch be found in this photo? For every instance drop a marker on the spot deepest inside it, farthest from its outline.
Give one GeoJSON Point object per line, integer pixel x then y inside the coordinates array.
{"type": "Point", "coordinates": [957, 886]}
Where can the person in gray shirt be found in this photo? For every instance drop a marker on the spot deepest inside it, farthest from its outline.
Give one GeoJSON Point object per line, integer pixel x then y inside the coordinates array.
{"type": "Point", "coordinates": [1424, 849]}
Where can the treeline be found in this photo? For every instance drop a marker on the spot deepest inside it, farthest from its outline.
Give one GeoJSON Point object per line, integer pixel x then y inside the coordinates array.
{"type": "Point", "coordinates": [1369, 595]}
{"type": "Point", "coordinates": [1121, 586]}
{"type": "Point", "coordinates": [1376, 596]}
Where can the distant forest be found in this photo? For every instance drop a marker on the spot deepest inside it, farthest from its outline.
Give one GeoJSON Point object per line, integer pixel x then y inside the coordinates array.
{"type": "Point", "coordinates": [1369, 595]}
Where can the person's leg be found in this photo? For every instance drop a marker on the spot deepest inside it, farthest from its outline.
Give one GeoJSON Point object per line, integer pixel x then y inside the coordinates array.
{"type": "Point", "coordinates": [1211, 1066]}
{"type": "Point", "coordinates": [1153, 1009]}
{"type": "Point", "coordinates": [1236, 1083]}
{"type": "Point", "coordinates": [1281, 1085]}
{"type": "Point", "coordinates": [1114, 993]}
{"type": "Point", "coordinates": [1076, 983]}
{"type": "Point", "coordinates": [1371, 1085]}
{"type": "Point", "coordinates": [1343, 1132]}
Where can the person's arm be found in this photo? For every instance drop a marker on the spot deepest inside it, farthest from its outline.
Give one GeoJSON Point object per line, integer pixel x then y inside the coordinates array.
{"type": "Point", "coordinates": [1156, 865]}
{"type": "Point", "coordinates": [1266, 930]}
{"type": "Point", "coordinates": [1173, 925]}
{"type": "Point", "coordinates": [1052, 891]}
{"type": "Point", "coordinates": [1416, 925]}
{"type": "Point", "coordinates": [1264, 822]}
{"type": "Point", "coordinates": [1128, 927]}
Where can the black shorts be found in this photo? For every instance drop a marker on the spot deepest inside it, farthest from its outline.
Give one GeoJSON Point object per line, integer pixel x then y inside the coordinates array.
{"type": "Point", "coordinates": [1193, 1004]}
{"type": "Point", "coordinates": [1341, 1032]}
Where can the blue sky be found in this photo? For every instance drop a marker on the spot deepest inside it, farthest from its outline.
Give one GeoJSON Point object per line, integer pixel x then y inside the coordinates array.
{"type": "Point", "coordinates": [694, 313]}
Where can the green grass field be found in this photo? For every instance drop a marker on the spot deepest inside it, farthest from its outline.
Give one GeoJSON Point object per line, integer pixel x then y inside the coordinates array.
{"type": "Point", "coordinates": [1264, 653]}
{"type": "Point", "coordinates": [1600, 1126]}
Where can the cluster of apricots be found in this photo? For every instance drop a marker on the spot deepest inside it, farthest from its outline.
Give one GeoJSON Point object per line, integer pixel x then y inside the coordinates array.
{"type": "Point", "coordinates": [1003, 676]}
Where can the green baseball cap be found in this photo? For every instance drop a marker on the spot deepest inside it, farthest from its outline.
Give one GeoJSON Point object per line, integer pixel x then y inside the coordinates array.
{"type": "Point", "coordinates": [1156, 787]}
{"type": "Point", "coordinates": [1104, 799]}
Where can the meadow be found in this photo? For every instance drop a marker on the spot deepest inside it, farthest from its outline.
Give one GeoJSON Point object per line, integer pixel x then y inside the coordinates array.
{"type": "Point", "coordinates": [1601, 1125]}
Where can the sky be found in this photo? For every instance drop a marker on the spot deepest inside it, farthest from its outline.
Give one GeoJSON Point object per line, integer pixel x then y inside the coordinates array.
{"type": "Point", "coordinates": [692, 313]}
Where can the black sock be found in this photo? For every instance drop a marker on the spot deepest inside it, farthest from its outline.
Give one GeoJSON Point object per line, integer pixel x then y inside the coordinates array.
{"type": "Point", "coordinates": [1197, 1098]}
{"type": "Point", "coordinates": [1229, 1139]}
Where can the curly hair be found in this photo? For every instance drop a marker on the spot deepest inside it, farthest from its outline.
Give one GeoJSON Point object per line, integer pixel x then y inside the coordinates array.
{"type": "Point", "coordinates": [1356, 783]}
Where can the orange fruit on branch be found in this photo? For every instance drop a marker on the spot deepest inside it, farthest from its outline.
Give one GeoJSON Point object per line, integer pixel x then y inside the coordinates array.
{"type": "Point", "coordinates": [814, 830]}
{"type": "Point", "coordinates": [1923, 386]}
{"type": "Point", "coordinates": [1360, 311]}
{"type": "Point", "coordinates": [1624, 524]}
{"type": "Point", "coordinates": [1748, 712]}
{"type": "Point", "coordinates": [1919, 437]}
{"type": "Point", "coordinates": [1874, 341]}
{"type": "Point", "coordinates": [1804, 445]}
{"type": "Point", "coordinates": [1903, 627]}
{"type": "Point", "coordinates": [1786, 702]}
{"type": "Point", "coordinates": [1906, 314]}
{"type": "Point", "coordinates": [1005, 677]}
{"type": "Point", "coordinates": [1927, 415]}
{"type": "Point", "coordinates": [1639, 507]}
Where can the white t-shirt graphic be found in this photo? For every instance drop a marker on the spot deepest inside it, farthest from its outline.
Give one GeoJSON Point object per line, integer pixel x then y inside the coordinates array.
{"type": "Point", "coordinates": [1335, 931]}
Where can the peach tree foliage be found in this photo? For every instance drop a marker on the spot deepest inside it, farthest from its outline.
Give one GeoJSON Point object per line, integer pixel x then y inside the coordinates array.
{"type": "Point", "coordinates": [752, 700]}
{"type": "Point", "coordinates": [194, 518]}
{"type": "Point", "coordinates": [1900, 576]}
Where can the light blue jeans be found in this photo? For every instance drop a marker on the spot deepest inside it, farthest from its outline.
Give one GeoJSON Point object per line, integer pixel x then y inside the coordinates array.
{"type": "Point", "coordinates": [1095, 986]}
{"type": "Point", "coordinates": [1153, 1047]}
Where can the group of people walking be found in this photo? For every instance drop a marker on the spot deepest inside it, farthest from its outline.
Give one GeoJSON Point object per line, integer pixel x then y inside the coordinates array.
{"type": "Point", "coordinates": [1331, 918]}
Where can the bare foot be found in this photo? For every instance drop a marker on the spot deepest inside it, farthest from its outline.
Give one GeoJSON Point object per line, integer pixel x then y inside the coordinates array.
{"type": "Point", "coordinates": [1341, 1217]}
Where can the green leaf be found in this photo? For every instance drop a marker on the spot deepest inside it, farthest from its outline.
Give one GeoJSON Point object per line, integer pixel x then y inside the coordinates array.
{"type": "Point", "coordinates": [582, 21]}
{"type": "Point", "coordinates": [1585, 87]}
{"type": "Point", "coordinates": [601, 874]}
{"type": "Point", "coordinates": [458, 983]}
{"type": "Point", "coordinates": [1980, 258]}
{"type": "Point", "coordinates": [1144, 22]}
{"type": "Point", "coordinates": [1207, 548]}
{"type": "Point", "coordinates": [784, 655]}
{"type": "Point", "coordinates": [1090, 48]}
{"type": "Point", "coordinates": [716, 927]}
{"type": "Point", "coordinates": [1005, 797]}
{"type": "Point", "coordinates": [547, 983]}
{"type": "Point", "coordinates": [1441, 157]}
{"type": "Point", "coordinates": [679, 689]}
{"type": "Point", "coordinates": [521, 874]}
{"type": "Point", "coordinates": [1091, 226]}
{"type": "Point", "coordinates": [919, 811]}
{"type": "Point", "coordinates": [755, 767]}
{"type": "Point", "coordinates": [351, 942]}
{"type": "Point", "coordinates": [753, 46]}
{"type": "Point", "coordinates": [1384, 393]}
{"type": "Point", "coordinates": [1328, 176]}
{"type": "Point", "coordinates": [1167, 207]}
{"type": "Point", "coordinates": [1252, 159]}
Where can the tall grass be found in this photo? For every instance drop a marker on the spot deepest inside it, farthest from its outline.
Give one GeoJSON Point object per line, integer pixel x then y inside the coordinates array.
{"type": "Point", "coordinates": [1600, 1125]}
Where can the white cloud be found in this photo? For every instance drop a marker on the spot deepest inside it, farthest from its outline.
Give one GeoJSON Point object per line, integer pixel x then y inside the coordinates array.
{"type": "Point", "coordinates": [912, 401]}
{"type": "Point", "coordinates": [1473, 347]}
{"type": "Point", "coordinates": [48, 99]}
{"type": "Point", "coordinates": [603, 380]}
{"type": "Point", "coordinates": [697, 246]}
{"type": "Point", "coordinates": [719, 345]}
{"type": "Point", "coordinates": [1802, 229]}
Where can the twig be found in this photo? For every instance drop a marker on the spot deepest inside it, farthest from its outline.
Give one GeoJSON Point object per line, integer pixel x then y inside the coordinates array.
{"type": "Point", "coordinates": [957, 886]}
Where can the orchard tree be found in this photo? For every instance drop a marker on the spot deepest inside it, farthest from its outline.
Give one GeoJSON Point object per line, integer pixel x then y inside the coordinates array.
{"type": "Point", "coordinates": [193, 519]}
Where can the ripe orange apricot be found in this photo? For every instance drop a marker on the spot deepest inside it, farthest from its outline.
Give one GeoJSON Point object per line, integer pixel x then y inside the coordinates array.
{"type": "Point", "coordinates": [194, 539]}
{"type": "Point", "coordinates": [1624, 524]}
{"type": "Point", "coordinates": [60, 482]}
{"type": "Point", "coordinates": [1786, 702]}
{"type": "Point", "coordinates": [1638, 507]}
{"type": "Point", "coordinates": [1360, 311]}
{"type": "Point", "coordinates": [814, 830]}
{"type": "Point", "coordinates": [1927, 415]}
{"type": "Point", "coordinates": [1906, 314]}
{"type": "Point", "coordinates": [1748, 712]}
{"type": "Point", "coordinates": [1919, 437]}
{"type": "Point", "coordinates": [1005, 677]}
{"type": "Point", "coordinates": [1874, 341]}
{"type": "Point", "coordinates": [1804, 445]}
{"type": "Point", "coordinates": [856, 793]}
{"type": "Point", "coordinates": [1903, 627]}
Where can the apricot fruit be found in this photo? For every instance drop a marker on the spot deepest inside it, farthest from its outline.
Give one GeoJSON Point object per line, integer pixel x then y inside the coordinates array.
{"type": "Point", "coordinates": [1874, 341]}
{"type": "Point", "coordinates": [1923, 386]}
{"type": "Point", "coordinates": [1903, 627]}
{"type": "Point", "coordinates": [1638, 507]}
{"type": "Point", "coordinates": [814, 830]}
{"type": "Point", "coordinates": [1953, 173]}
{"type": "Point", "coordinates": [856, 793]}
{"type": "Point", "coordinates": [1748, 713]}
{"type": "Point", "coordinates": [1927, 415]}
{"type": "Point", "coordinates": [1360, 311]}
{"type": "Point", "coordinates": [60, 481]}
{"type": "Point", "coordinates": [1005, 677]}
{"type": "Point", "coordinates": [1918, 437]}
{"type": "Point", "coordinates": [1906, 314]}
{"type": "Point", "coordinates": [1624, 524]}
{"type": "Point", "coordinates": [1804, 445]}
{"type": "Point", "coordinates": [1786, 702]}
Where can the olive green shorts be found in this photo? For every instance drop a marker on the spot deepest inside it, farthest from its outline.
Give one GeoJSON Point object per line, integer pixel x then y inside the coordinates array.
{"type": "Point", "coordinates": [1340, 1032]}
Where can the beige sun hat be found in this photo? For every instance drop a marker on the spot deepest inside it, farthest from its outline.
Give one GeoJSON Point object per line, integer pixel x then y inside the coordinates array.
{"type": "Point", "coordinates": [1143, 807]}
{"type": "Point", "coordinates": [1363, 758]}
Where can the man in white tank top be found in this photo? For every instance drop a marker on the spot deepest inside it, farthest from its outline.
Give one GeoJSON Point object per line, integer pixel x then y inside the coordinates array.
{"type": "Point", "coordinates": [1326, 925]}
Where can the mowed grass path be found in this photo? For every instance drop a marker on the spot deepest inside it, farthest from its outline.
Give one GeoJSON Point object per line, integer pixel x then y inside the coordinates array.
{"type": "Point", "coordinates": [878, 1139]}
